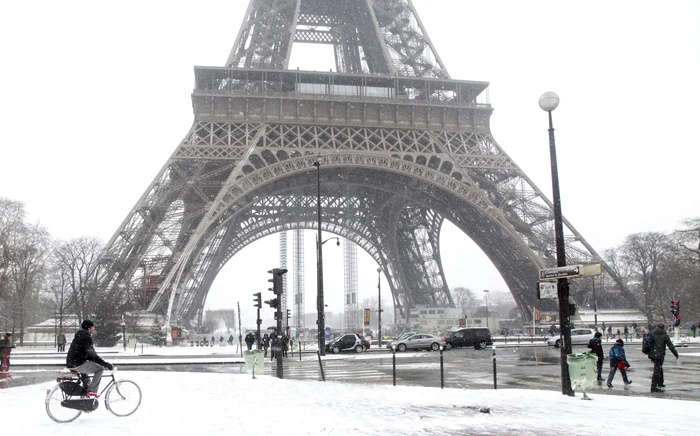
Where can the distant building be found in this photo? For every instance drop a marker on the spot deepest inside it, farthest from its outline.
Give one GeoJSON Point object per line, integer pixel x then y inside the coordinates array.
{"type": "Point", "coordinates": [615, 318]}
{"type": "Point", "coordinates": [441, 319]}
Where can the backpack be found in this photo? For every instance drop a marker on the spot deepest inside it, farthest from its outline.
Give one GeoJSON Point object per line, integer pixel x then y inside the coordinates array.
{"type": "Point", "coordinates": [647, 343]}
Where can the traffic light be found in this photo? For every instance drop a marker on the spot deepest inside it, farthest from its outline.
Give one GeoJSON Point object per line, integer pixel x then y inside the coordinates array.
{"type": "Point", "coordinates": [277, 283]}
{"type": "Point", "coordinates": [289, 315]}
{"type": "Point", "coordinates": [272, 302]}
{"type": "Point", "coordinates": [258, 300]}
{"type": "Point", "coordinates": [676, 312]}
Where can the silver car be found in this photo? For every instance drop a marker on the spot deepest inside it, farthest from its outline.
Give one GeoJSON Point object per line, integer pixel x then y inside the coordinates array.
{"type": "Point", "coordinates": [578, 337]}
{"type": "Point", "coordinates": [418, 342]}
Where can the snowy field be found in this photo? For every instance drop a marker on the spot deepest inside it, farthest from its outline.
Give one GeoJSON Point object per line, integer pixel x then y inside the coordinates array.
{"type": "Point", "coordinates": [225, 404]}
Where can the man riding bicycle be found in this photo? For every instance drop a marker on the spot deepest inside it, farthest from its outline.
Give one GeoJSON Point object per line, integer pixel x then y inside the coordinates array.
{"type": "Point", "coordinates": [83, 359]}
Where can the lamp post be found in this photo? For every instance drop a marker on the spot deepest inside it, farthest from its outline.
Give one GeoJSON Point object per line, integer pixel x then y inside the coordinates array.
{"type": "Point", "coordinates": [379, 291]}
{"type": "Point", "coordinates": [486, 298]}
{"type": "Point", "coordinates": [124, 332]}
{"type": "Point", "coordinates": [548, 102]}
{"type": "Point", "coordinates": [319, 264]}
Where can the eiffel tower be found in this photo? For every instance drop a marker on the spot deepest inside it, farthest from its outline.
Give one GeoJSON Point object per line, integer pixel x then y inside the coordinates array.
{"type": "Point", "coordinates": [404, 147]}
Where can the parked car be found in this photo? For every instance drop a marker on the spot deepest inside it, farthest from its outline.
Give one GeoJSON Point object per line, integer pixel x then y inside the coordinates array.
{"type": "Point", "coordinates": [419, 342]}
{"type": "Point", "coordinates": [401, 336]}
{"type": "Point", "coordinates": [578, 337]}
{"type": "Point", "coordinates": [479, 338]}
{"type": "Point", "coordinates": [346, 342]}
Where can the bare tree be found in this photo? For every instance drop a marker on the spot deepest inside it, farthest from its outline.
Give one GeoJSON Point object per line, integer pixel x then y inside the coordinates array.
{"type": "Point", "coordinates": [29, 245]}
{"type": "Point", "coordinates": [12, 216]}
{"type": "Point", "coordinates": [465, 299]}
{"type": "Point", "coordinates": [644, 254]}
{"type": "Point", "coordinates": [76, 263]}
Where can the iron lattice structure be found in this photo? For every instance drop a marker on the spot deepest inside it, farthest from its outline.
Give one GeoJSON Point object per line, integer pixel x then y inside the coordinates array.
{"type": "Point", "coordinates": [405, 148]}
{"type": "Point", "coordinates": [352, 322]}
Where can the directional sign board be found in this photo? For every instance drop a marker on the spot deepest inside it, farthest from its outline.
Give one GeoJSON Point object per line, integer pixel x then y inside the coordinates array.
{"type": "Point", "coordinates": [570, 271]}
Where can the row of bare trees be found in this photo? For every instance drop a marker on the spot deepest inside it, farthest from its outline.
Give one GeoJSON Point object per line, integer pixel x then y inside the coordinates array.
{"type": "Point", "coordinates": [655, 268]}
{"type": "Point", "coordinates": [41, 277]}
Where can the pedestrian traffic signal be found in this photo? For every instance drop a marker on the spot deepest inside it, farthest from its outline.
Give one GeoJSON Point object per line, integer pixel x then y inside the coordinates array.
{"type": "Point", "coordinates": [676, 312]}
{"type": "Point", "coordinates": [258, 299]}
{"type": "Point", "coordinates": [277, 283]}
{"type": "Point", "coordinates": [273, 303]}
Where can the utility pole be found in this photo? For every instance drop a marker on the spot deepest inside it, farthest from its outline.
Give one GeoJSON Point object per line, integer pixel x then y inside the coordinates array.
{"type": "Point", "coordinates": [240, 333]}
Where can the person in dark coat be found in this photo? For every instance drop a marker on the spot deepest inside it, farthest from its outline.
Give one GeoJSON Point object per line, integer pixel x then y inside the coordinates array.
{"type": "Point", "coordinates": [61, 342]}
{"type": "Point", "coordinates": [657, 355]}
{"type": "Point", "coordinates": [83, 359]}
{"type": "Point", "coordinates": [230, 340]}
{"type": "Point", "coordinates": [6, 347]}
{"type": "Point", "coordinates": [617, 354]}
{"type": "Point", "coordinates": [265, 343]}
{"type": "Point", "coordinates": [597, 348]}
{"type": "Point", "coordinates": [249, 340]}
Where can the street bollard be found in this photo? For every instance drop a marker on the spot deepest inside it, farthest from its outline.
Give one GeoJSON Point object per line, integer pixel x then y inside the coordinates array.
{"type": "Point", "coordinates": [442, 371]}
{"type": "Point", "coordinates": [255, 362]}
{"type": "Point", "coordinates": [495, 385]}
{"type": "Point", "coordinates": [393, 363]}
{"type": "Point", "coordinates": [320, 364]}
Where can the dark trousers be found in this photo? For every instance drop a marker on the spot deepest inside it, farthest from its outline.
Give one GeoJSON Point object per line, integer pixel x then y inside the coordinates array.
{"type": "Point", "coordinates": [613, 370]}
{"type": "Point", "coordinates": [600, 368]}
{"type": "Point", "coordinates": [657, 378]}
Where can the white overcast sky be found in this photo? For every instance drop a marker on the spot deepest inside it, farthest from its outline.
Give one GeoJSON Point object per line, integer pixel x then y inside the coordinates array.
{"type": "Point", "coordinates": [96, 96]}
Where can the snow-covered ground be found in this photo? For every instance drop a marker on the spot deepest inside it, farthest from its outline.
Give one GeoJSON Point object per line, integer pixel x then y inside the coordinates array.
{"type": "Point", "coordinates": [225, 404]}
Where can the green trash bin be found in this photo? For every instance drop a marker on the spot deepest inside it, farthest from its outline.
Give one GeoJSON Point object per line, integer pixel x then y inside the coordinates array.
{"type": "Point", "coordinates": [254, 358]}
{"type": "Point", "coordinates": [259, 361]}
{"type": "Point", "coordinates": [582, 371]}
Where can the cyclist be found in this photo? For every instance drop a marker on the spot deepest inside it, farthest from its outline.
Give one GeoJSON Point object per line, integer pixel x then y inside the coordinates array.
{"type": "Point", "coordinates": [83, 359]}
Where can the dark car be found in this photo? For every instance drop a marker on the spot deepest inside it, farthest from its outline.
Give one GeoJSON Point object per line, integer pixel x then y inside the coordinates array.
{"type": "Point", "coordinates": [479, 338]}
{"type": "Point", "coordinates": [347, 342]}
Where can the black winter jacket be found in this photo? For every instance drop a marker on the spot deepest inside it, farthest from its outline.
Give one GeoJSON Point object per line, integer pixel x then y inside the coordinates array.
{"type": "Point", "coordinates": [81, 350]}
{"type": "Point", "coordinates": [596, 347]}
{"type": "Point", "coordinates": [661, 341]}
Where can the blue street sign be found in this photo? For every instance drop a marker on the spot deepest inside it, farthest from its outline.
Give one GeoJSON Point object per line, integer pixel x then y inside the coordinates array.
{"type": "Point", "coordinates": [328, 332]}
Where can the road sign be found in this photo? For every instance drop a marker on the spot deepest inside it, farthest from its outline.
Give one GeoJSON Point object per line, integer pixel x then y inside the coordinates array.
{"type": "Point", "coordinates": [547, 291]}
{"type": "Point", "coordinates": [570, 271]}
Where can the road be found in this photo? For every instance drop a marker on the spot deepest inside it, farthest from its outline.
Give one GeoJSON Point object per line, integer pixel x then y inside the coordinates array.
{"type": "Point", "coordinates": [526, 367]}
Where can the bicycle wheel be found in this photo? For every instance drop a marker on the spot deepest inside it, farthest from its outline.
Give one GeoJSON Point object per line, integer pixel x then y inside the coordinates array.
{"type": "Point", "coordinates": [123, 398]}
{"type": "Point", "coordinates": [53, 406]}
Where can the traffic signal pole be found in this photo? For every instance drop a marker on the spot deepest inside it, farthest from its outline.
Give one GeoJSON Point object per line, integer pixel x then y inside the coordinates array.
{"type": "Point", "coordinates": [275, 303]}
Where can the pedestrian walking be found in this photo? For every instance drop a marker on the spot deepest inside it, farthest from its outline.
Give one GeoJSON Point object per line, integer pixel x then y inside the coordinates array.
{"type": "Point", "coordinates": [618, 360]}
{"type": "Point", "coordinates": [694, 329]}
{"type": "Point", "coordinates": [609, 332]}
{"type": "Point", "coordinates": [211, 342]}
{"type": "Point", "coordinates": [627, 333]}
{"type": "Point", "coordinates": [265, 343]}
{"type": "Point", "coordinates": [661, 340]}
{"type": "Point", "coordinates": [6, 347]}
{"type": "Point", "coordinates": [230, 340]}
{"type": "Point", "coordinates": [61, 341]}
{"type": "Point", "coordinates": [249, 340]}
{"type": "Point", "coordinates": [596, 347]}
{"type": "Point", "coordinates": [285, 344]}
{"type": "Point", "coordinates": [552, 330]}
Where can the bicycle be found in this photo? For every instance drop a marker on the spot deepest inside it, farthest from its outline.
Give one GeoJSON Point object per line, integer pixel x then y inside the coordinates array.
{"type": "Point", "coordinates": [66, 401]}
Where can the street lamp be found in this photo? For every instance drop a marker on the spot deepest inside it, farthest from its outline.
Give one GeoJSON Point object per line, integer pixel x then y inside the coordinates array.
{"type": "Point", "coordinates": [548, 102]}
{"type": "Point", "coordinates": [379, 291]}
{"type": "Point", "coordinates": [486, 298]}
{"type": "Point", "coordinates": [124, 332]}
{"type": "Point", "coordinates": [319, 263]}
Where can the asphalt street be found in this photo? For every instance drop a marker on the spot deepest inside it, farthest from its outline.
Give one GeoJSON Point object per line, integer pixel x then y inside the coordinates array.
{"type": "Point", "coordinates": [525, 366]}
